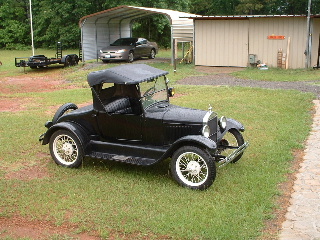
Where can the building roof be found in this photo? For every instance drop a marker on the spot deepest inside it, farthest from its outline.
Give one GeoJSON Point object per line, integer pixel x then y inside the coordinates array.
{"type": "Point", "coordinates": [132, 12]}
{"type": "Point", "coordinates": [200, 17]}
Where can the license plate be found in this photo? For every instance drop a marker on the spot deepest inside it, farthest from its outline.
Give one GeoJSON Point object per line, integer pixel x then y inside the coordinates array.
{"type": "Point", "coordinates": [107, 56]}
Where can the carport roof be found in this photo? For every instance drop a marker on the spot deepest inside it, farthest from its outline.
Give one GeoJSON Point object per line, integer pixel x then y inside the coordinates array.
{"type": "Point", "coordinates": [132, 12]}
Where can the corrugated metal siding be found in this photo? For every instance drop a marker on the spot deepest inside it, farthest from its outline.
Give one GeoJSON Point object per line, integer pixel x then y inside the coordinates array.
{"type": "Point", "coordinates": [221, 43]}
{"type": "Point", "coordinates": [267, 50]}
{"type": "Point", "coordinates": [315, 41]}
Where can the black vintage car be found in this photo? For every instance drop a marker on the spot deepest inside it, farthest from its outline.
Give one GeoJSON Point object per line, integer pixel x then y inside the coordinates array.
{"type": "Point", "coordinates": [131, 120]}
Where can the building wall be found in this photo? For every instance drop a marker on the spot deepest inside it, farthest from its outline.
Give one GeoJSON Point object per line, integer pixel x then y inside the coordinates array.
{"type": "Point", "coordinates": [221, 43]}
{"type": "Point", "coordinates": [293, 28]}
{"type": "Point", "coordinates": [229, 42]}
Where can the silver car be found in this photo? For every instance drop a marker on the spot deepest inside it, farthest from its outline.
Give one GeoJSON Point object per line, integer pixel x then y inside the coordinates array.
{"type": "Point", "coordinates": [128, 49]}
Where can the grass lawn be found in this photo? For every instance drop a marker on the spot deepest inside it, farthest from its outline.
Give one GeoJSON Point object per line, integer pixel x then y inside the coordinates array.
{"type": "Point", "coordinates": [129, 202]}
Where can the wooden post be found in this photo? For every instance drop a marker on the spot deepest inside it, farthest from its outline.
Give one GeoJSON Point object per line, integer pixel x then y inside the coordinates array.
{"type": "Point", "coordinates": [288, 53]}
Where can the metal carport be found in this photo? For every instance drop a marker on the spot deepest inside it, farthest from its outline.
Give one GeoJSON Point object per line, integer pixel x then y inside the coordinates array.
{"type": "Point", "coordinates": [100, 29]}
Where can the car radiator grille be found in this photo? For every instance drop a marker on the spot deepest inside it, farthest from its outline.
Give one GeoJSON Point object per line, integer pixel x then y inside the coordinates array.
{"type": "Point", "coordinates": [213, 124]}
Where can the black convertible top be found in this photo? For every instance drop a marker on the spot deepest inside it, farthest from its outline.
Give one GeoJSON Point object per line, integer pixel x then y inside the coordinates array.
{"type": "Point", "coordinates": [125, 74]}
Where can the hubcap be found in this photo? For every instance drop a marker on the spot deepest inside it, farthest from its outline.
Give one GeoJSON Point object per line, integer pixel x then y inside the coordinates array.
{"type": "Point", "coordinates": [67, 148]}
{"type": "Point", "coordinates": [193, 167]}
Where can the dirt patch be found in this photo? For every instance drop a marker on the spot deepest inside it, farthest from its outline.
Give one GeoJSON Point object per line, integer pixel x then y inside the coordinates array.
{"type": "Point", "coordinates": [33, 81]}
{"type": "Point", "coordinates": [29, 173]}
{"type": "Point", "coordinates": [21, 227]}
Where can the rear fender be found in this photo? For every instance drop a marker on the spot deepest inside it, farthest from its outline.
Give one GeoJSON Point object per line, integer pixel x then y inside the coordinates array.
{"type": "Point", "coordinates": [76, 129]}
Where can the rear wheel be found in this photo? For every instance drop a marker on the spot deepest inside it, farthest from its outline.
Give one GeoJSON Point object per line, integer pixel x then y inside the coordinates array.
{"type": "Point", "coordinates": [66, 149]}
{"type": "Point", "coordinates": [193, 167]}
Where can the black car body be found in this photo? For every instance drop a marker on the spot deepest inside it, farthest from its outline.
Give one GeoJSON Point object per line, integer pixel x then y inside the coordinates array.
{"type": "Point", "coordinates": [132, 121]}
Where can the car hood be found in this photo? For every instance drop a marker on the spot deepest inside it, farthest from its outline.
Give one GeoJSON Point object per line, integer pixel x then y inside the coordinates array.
{"type": "Point", "coordinates": [115, 48]}
{"type": "Point", "coordinates": [177, 114]}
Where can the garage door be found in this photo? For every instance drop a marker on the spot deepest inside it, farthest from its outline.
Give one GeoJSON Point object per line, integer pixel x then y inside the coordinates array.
{"type": "Point", "coordinates": [221, 42]}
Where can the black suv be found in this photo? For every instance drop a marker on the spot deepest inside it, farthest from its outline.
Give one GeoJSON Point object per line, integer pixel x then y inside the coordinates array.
{"type": "Point", "coordinates": [131, 120]}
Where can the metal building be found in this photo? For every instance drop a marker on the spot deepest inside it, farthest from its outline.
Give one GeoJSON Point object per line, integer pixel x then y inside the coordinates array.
{"type": "Point", "coordinates": [100, 29]}
{"type": "Point", "coordinates": [243, 40]}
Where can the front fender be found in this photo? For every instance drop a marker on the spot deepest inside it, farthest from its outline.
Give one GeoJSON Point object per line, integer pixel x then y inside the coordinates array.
{"type": "Point", "coordinates": [231, 124]}
{"type": "Point", "coordinates": [192, 140]}
{"type": "Point", "coordinates": [70, 126]}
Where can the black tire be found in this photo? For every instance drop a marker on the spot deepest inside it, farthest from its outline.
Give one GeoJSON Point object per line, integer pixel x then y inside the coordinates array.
{"type": "Point", "coordinates": [193, 168]}
{"type": "Point", "coordinates": [68, 61]}
{"type": "Point", "coordinates": [130, 57]}
{"type": "Point", "coordinates": [232, 138]}
{"type": "Point", "coordinates": [66, 149]}
{"type": "Point", "coordinates": [152, 54]}
{"type": "Point", "coordinates": [65, 108]}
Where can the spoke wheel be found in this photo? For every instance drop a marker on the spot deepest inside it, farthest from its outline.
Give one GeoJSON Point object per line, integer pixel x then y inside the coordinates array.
{"type": "Point", "coordinates": [230, 141]}
{"type": "Point", "coordinates": [65, 149]}
{"type": "Point", "coordinates": [193, 167]}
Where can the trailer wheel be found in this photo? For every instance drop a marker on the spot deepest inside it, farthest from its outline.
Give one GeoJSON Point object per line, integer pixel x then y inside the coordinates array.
{"type": "Point", "coordinates": [68, 61]}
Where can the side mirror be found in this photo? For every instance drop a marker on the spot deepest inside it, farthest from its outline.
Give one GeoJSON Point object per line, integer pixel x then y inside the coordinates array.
{"type": "Point", "coordinates": [171, 91]}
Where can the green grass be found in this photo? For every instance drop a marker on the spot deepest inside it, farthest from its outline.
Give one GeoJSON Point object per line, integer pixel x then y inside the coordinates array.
{"type": "Point", "coordinates": [130, 202]}
{"type": "Point", "coordinates": [276, 74]}
{"type": "Point", "coordinates": [110, 197]}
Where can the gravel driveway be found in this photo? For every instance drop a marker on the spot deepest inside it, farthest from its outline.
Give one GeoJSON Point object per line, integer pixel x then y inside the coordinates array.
{"type": "Point", "coordinates": [225, 79]}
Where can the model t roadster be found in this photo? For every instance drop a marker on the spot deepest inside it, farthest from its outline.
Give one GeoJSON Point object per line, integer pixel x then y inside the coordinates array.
{"type": "Point", "coordinates": [131, 120]}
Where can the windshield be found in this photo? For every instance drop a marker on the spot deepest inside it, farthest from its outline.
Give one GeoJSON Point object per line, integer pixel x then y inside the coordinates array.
{"type": "Point", "coordinates": [124, 42]}
{"type": "Point", "coordinates": [153, 92]}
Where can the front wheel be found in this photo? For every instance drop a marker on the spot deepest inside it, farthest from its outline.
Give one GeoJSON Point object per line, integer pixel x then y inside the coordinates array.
{"type": "Point", "coordinates": [193, 167]}
{"type": "Point", "coordinates": [66, 149]}
{"type": "Point", "coordinates": [130, 57]}
{"type": "Point", "coordinates": [152, 54]}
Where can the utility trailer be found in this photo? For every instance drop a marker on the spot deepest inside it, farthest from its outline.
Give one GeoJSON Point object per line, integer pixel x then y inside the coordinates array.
{"type": "Point", "coordinates": [41, 61]}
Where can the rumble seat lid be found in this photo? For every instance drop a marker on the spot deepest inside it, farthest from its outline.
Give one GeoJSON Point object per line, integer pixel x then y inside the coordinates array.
{"type": "Point", "coordinates": [125, 74]}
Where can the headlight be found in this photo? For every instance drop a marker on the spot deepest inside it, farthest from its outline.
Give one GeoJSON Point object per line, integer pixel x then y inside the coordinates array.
{"type": "Point", "coordinates": [101, 51]}
{"type": "Point", "coordinates": [223, 122]}
{"type": "Point", "coordinates": [206, 131]}
{"type": "Point", "coordinates": [121, 51]}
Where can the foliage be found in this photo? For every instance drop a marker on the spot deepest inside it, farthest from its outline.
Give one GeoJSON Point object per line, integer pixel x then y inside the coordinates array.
{"type": "Point", "coordinates": [58, 20]}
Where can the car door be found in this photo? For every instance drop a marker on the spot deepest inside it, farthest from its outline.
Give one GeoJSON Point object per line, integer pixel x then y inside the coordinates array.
{"type": "Point", "coordinates": [120, 126]}
{"type": "Point", "coordinates": [140, 48]}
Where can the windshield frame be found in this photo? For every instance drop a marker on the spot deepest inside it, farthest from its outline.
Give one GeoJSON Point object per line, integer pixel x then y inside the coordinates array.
{"type": "Point", "coordinates": [153, 92]}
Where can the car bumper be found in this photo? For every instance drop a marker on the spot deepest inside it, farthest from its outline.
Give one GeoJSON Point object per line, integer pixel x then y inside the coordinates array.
{"type": "Point", "coordinates": [233, 155]}
{"type": "Point", "coordinates": [113, 56]}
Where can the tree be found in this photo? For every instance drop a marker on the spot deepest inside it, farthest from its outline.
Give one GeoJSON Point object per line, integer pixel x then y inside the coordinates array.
{"type": "Point", "coordinates": [14, 24]}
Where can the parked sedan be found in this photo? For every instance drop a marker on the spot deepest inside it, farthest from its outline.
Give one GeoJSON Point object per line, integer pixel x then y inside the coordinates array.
{"type": "Point", "coordinates": [128, 49]}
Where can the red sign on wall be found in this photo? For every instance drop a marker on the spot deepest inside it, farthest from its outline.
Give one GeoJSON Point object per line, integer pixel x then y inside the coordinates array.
{"type": "Point", "coordinates": [274, 37]}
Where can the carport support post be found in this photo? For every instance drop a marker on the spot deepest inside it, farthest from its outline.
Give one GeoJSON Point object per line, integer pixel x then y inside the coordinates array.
{"type": "Point", "coordinates": [174, 53]}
